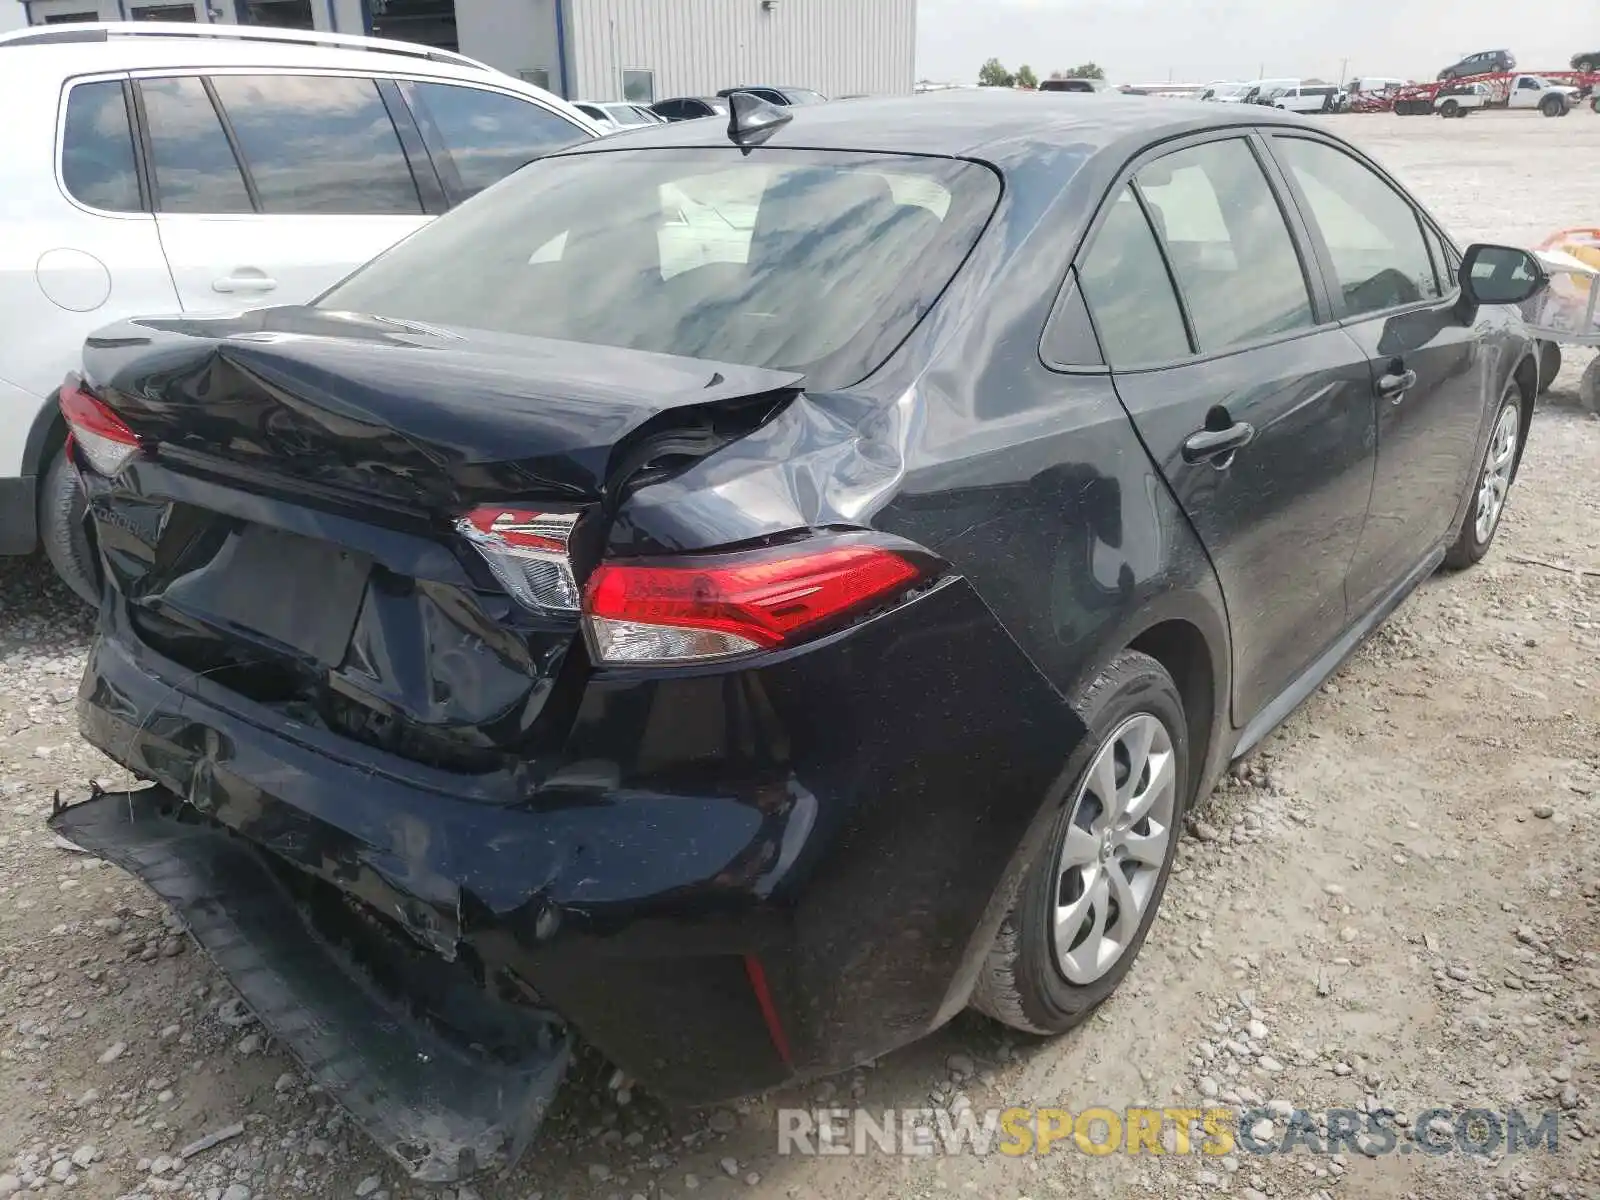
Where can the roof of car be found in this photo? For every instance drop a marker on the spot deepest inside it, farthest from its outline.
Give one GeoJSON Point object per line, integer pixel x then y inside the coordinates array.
{"type": "Point", "coordinates": [83, 49]}
{"type": "Point", "coordinates": [998, 126]}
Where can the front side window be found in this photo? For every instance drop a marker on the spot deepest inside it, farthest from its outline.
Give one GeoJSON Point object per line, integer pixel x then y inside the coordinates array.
{"type": "Point", "coordinates": [1373, 234]}
{"type": "Point", "coordinates": [1129, 292]}
{"type": "Point", "coordinates": [97, 161]}
{"type": "Point", "coordinates": [1228, 243]}
{"type": "Point", "coordinates": [318, 144]}
{"type": "Point", "coordinates": [484, 136]}
{"type": "Point", "coordinates": [802, 260]}
{"type": "Point", "coordinates": [194, 167]}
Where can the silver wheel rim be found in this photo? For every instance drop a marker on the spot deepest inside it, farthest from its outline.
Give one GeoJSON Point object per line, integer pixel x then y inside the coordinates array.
{"type": "Point", "coordinates": [1496, 480]}
{"type": "Point", "coordinates": [1115, 848]}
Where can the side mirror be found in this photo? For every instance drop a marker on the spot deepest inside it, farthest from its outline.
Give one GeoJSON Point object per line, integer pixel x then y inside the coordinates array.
{"type": "Point", "coordinates": [1500, 275]}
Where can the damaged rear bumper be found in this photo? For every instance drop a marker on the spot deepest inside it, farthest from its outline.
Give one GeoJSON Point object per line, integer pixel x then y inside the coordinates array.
{"type": "Point", "coordinates": [724, 880]}
{"type": "Point", "coordinates": [441, 1109]}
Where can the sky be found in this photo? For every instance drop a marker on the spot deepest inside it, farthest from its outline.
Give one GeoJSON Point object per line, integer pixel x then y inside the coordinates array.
{"type": "Point", "coordinates": [1197, 41]}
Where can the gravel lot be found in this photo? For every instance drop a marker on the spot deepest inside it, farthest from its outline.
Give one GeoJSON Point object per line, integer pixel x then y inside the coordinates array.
{"type": "Point", "coordinates": [1392, 906]}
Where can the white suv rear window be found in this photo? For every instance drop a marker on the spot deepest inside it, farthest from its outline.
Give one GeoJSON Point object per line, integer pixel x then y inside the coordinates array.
{"type": "Point", "coordinates": [97, 162]}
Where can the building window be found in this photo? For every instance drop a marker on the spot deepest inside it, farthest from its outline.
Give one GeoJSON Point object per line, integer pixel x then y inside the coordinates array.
{"type": "Point", "coordinates": [163, 12]}
{"type": "Point", "coordinates": [278, 14]}
{"type": "Point", "coordinates": [69, 18]}
{"type": "Point", "coordinates": [639, 87]}
{"type": "Point", "coordinates": [538, 76]}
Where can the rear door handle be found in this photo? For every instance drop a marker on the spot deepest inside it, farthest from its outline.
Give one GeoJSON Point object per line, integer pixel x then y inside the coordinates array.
{"type": "Point", "coordinates": [245, 279]}
{"type": "Point", "coordinates": [1394, 385]}
{"type": "Point", "coordinates": [1218, 445]}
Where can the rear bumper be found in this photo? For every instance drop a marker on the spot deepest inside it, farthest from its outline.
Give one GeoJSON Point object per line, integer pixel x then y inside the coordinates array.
{"type": "Point", "coordinates": [19, 515]}
{"type": "Point", "coordinates": [442, 1109]}
{"type": "Point", "coordinates": [727, 878]}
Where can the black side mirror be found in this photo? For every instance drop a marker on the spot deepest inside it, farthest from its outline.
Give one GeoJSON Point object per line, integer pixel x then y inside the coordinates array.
{"type": "Point", "coordinates": [1500, 275]}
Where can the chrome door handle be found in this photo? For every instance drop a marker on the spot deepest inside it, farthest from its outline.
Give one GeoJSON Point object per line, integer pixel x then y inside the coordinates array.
{"type": "Point", "coordinates": [1394, 385]}
{"type": "Point", "coordinates": [243, 283]}
{"type": "Point", "coordinates": [1217, 446]}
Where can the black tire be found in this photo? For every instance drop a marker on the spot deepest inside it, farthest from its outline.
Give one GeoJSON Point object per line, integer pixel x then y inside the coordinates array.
{"type": "Point", "coordinates": [64, 532]}
{"type": "Point", "coordinates": [1553, 106]}
{"type": "Point", "coordinates": [1471, 545]}
{"type": "Point", "coordinates": [1589, 387]}
{"type": "Point", "coordinates": [1549, 365]}
{"type": "Point", "coordinates": [1450, 108]}
{"type": "Point", "coordinates": [1022, 984]}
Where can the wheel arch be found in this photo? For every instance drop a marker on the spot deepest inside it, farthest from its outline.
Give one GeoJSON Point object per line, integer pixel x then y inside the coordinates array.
{"type": "Point", "coordinates": [46, 436]}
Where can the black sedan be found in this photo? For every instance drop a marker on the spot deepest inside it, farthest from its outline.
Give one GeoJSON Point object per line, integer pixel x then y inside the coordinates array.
{"type": "Point", "coordinates": [689, 108]}
{"type": "Point", "coordinates": [782, 96]}
{"type": "Point", "coordinates": [747, 594]}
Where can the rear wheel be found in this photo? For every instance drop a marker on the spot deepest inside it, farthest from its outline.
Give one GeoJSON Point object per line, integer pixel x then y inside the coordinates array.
{"type": "Point", "coordinates": [1589, 387]}
{"type": "Point", "coordinates": [1450, 108]}
{"type": "Point", "coordinates": [1496, 473]}
{"type": "Point", "coordinates": [65, 533]}
{"type": "Point", "coordinates": [1087, 902]}
{"type": "Point", "coordinates": [1549, 365]}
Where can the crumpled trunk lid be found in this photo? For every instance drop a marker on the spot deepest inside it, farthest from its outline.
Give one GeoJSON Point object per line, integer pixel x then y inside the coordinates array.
{"type": "Point", "coordinates": [434, 420]}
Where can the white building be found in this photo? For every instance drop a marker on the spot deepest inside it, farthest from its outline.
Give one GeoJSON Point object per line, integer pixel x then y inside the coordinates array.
{"type": "Point", "coordinates": [641, 50]}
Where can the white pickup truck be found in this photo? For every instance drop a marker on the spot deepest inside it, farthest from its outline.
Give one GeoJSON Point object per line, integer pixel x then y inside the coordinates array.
{"type": "Point", "coordinates": [1524, 92]}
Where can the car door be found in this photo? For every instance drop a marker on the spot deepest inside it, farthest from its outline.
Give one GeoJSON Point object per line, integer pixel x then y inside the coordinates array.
{"type": "Point", "coordinates": [478, 135]}
{"type": "Point", "coordinates": [1425, 363]}
{"type": "Point", "coordinates": [1255, 406]}
{"type": "Point", "coordinates": [270, 187]}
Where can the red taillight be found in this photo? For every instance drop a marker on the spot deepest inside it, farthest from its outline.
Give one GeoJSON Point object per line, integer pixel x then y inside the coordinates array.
{"type": "Point", "coordinates": [660, 610]}
{"type": "Point", "coordinates": [99, 434]}
{"type": "Point", "coordinates": [527, 551]}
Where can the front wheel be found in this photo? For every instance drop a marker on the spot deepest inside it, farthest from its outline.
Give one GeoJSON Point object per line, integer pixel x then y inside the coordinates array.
{"type": "Point", "coordinates": [1553, 106]}
{"type": "Point", "coordinates": [1087, 901]}
{"type": "Point", "coordinates": [1496, 473]}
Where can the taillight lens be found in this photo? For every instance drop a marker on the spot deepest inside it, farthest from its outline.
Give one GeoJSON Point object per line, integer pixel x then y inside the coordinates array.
{"type": "Point", "coordinates": [664, 610]}
{"type": "Point", "coordinates": [99, 434]}
{"type": "Point", "coordinates": [527, 551]}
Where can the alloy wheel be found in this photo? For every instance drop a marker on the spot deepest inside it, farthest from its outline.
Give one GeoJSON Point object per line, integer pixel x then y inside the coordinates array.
{"type": "Point", "coordinates": [1497, 466]}
{"type": "Point", "coordinates": [1111, 859]}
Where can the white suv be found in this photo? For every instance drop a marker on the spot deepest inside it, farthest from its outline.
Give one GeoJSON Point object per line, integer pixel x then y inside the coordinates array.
{"type": "Point", "coordinates": [148, 168]}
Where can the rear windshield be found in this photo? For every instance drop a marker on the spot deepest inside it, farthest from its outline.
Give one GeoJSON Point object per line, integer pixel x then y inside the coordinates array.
{"type": "Point", "coordinates": [812, 261]}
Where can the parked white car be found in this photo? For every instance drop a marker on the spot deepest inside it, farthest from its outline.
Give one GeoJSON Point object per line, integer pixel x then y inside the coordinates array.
{"type": "Point", "coordinates": [616, 115]}
{"type": "Point", "coordinates": [1308, 98]}
{"type": "Point", "coordinates": [149, 168]}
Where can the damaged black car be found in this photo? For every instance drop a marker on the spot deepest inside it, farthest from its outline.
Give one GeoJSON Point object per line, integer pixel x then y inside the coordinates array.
{"type": "Point", "coordinates": [742, 596]}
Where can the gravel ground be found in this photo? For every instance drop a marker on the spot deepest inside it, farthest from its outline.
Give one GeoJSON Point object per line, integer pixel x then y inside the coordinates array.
{"type": "Point", "coordinates": [1390, 907]}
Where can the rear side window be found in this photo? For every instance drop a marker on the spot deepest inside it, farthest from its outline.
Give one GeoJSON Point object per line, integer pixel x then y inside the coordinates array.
{"type": "Point", "coordinates": [194, 167]}
{"type": "Point", "coordinates": [485, 135]}
{"type": "Point", "coordinates": [318, 144]}
{"type": "Point", "coordinates": [805, 260]}
{"type": "Point", "coordinates": [1129, 292]}
{"type": "Point", "coordinates": [97, 161]}
{"type": "Point", "coordinates": [1373, 233]}
{"type": "Point", "coordinates": [1228, 244]}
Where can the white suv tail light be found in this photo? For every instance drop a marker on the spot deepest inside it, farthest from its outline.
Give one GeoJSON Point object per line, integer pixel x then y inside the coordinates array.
{"type": "Point", "coordinates": [105, 442]}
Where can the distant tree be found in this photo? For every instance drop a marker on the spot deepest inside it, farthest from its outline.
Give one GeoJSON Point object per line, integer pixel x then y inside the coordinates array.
{"type": "Point", "coordinates": [1026, 78]}
{"type": "Point", "coordinates": [994, 74]}
{"type": "Point", "coordinates": [1088, 70]}
{"type": "Point", "coordinates": [1058, 75]}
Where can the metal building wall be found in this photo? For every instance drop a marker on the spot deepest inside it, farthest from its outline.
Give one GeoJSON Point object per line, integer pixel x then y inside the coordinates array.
{"type": "Point", "coordinates": [695, 47]}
